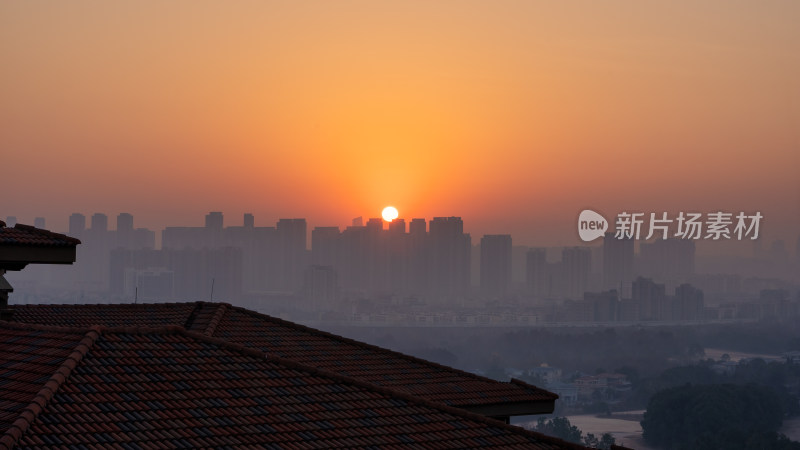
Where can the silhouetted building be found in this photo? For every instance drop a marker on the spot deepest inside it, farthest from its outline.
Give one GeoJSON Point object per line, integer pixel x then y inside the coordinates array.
{"type": "Point", "coordinates": [688, 303]}
{"type": "Point", "coordinates": [153, 284]}
{"type": "Point", "coordinates": [449, 259]}
{"type": "Point", "coordinates": [320, 287]}
{"type": "Point", "coordinates": [324, 246]}
{"type": "Point", "coordinates": [495, 265]}
{"type": "Point", "coordinates": [214, 220]}
{"type": "Point", "coordinates": [292, 242]}
{"type": "Point", "coordinates": [195, 273]}
{"type": "Point", "coordinates": [605, 305]}
{"type": "Point", "coordinates": [651, 298]}
{"type": "Point", "coordinates": [99, 223]}
{"type": "Point", "coordinates": [418, 259]}
{"type": "Point", "coordinates": [618, 263]}
{"type": "Point", "coordinates": [397, 226]}
{"type": "Point", "coordinates": [670, 261]}
{"type": "Point", "coordinates": [124, 223]}
{"type": "Point", "coordinates": [77, 225]}
{"type": "Point", "coordinates": [538, 279]}
{"type": "Point", "coordinates": [576, 264]}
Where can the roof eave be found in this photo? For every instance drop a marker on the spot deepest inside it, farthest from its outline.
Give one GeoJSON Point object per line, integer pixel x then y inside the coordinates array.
{"type": "Point", "coordinates": [16, 257]}
{"type": "Point", "coordinates": [512, 409]}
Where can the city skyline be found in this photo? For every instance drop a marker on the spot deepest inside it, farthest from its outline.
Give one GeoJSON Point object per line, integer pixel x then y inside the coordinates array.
{"type": "Point", "coordinates": [708, 247]}
{"type": "Point", "coordinates": [378, 267]}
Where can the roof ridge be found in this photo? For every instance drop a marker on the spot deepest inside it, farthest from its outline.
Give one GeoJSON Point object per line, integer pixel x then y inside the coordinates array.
{"type": "Point", "coordinates": [375, 347]}
{"type": "Point", "coordinates": [222, 309]}
{"type": "Point", "coordinates": [59, 377]}
{"type": "Point", "coordinates": [175, 329]}
{"type": "Point", "coordinates": [94, 305]}
{"type": "Point", "coordinates": [192, 315]}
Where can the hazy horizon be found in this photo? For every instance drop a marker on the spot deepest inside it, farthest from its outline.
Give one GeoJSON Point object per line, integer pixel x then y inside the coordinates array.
{"type": "Point", "coordinates": [512, 115]}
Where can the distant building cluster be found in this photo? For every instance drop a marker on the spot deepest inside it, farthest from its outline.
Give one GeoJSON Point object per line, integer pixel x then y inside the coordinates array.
{"type": "Point", "coordinates": [420, 271]}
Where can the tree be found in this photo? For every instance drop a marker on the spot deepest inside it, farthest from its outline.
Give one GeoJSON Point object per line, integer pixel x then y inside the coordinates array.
{"type": "Point", "coordinates": [604, 442]}
{"type": "Point", "coordinates": [559, 427]}
{"type": "Point", "coordinates": [714, 416]}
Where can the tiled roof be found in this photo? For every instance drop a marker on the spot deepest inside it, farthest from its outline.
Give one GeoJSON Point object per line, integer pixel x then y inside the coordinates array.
{"type": "Point", "coordinates": [113, 315]}
{"type": "Point", "coordinates": [30, 357]}
{"type": "Point", "coordinates": [302, 344]}
{"type": "Point", "coordinates": [371, 363]}
{"type": "Point", "coordinates": [32, 236]}
{"type": "Point", "coordinates": [166, 387]}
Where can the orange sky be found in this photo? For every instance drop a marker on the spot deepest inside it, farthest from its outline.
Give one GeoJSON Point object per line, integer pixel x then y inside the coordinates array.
{"type": "Point", "coordinates": [513, 115]}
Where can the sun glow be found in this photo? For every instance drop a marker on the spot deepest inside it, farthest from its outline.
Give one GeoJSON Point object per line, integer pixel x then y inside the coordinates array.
{"type": "Point", "coordinates": [389, 213]}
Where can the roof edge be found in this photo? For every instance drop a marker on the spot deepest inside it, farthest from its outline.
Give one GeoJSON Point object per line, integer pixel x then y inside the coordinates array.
{"type": "Point", "coordinates": [42, 398]}
{"type": "Point", "coordinates": [382, 349]}
{"type": "Point", "coordinates": [380, 389]}
{"type": "Point", "coordinates": [69, 239]}
{"type": "Point", "coordinates": [525, 384]}
{"type": "Point", "coordinates": [97, 331]}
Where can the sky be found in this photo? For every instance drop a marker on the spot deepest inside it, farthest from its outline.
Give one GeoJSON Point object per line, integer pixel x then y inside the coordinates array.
{"type": "Point", "coordinates": [515, 115]}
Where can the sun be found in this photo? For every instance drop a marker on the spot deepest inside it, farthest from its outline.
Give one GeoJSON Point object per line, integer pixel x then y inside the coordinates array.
{"type": "Point", "coordinates": [389, 213]}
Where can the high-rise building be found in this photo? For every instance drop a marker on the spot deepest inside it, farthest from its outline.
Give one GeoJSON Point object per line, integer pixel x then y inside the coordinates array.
{"type": "Point", "coordinates": [419, 227]}
{"type": "Point", "coordinates": [125, 233]}
{"type": "Point", "coordinates": [353, 259]}
{"type": "Point", "coordinates": [320, 286]}
{"type": "Point", "coordinates": [418, 259]}
{"type": "Point", "coordinates": [605, 305]}
{"type": "Point", "coordinates": [670, 261]}
{"type": "Point", "coordinates": [324, 246]}
{"type": "Point", "coordinates": [651, 298]}
{"type": "Point", "coordinates": [249, 220]}
{"type": "Point", "coordinates": [77, 225]}
{"type": "Point", "coordinates": [618, 263]}
{"type": "Point", "coordinates": [214, 220]}
{"type": "Point", "coordinates": [797, 251]}
{"type": "Point", "coordinates": [375, 224]}
{"type": "Point", "coordinates": [39, 222]}
{"type": "Point", "coordinates": [124, 223]}
{"type": "Point", "coordinates": [495, 265]}
{"type": "Point", "coordinates": [293, 252]}
{"type": "Point", "coordinates": [576, 265]}
{"type": "Point", "coordinates": [397, 226]}
{"type": "Point", "coordinates": [537, 275]}
{"type": "Point", "coordinates": [99, 223]}
{"type": "Point", "coordinates": [450, 247]}
{"type": "Point", "coordinates": [688, 303]}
